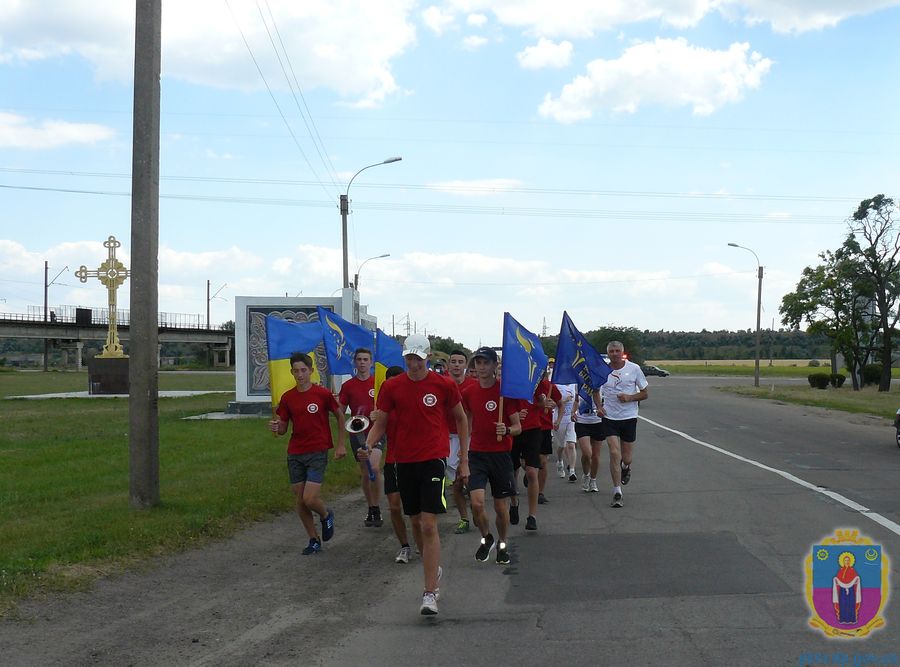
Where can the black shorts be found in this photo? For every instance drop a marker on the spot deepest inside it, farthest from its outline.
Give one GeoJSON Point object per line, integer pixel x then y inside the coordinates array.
{"type": "Point", "coordinates": [592, 431]}
{"type": "Point", "coordinates": [625, 429]}
{"type": "Point", "coordinates": [546, 442]}
{"type": "Point", "coordinates": [493, 467]}
{"type": "Point", "coordinates": [527, 446]}
{"type": "Point", "coordinates": [421, 487]}
{"type": "Point", "coordinates": [309, 467]}
{"type": "Point", "coordinates": [390, 478]}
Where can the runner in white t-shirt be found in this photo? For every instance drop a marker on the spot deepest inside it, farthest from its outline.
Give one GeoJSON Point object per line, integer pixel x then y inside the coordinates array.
{"type": "Point", "coordinates": [624, 388]}
{"type": "Point", "coordinates": [564, 433]}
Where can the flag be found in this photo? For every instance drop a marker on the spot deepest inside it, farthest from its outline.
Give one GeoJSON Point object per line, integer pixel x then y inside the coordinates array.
{"type": "Point", "coordinates": [577, 361]}
{"type": "Point", "coordinates": [283, 338]}
{"type": "Point", "coordinates": [524, 361]}
{"type": "Point", "coordinates": [388, 352]}
{"type": "Point", "coordinates": [342, 339]}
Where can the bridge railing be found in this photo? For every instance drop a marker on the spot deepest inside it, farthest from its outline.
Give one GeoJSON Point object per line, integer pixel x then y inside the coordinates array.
{"type": "Point", "coordinates": [100, 316]}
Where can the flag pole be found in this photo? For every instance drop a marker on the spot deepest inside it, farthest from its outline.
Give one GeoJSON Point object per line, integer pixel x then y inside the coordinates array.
{"type": "Point", "coordinates": [500, 417]}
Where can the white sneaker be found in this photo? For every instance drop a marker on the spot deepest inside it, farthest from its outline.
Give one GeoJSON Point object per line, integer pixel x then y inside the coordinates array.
{"type": "Point", "coordinates": [585, 482]}
{"type": "Point", "coordinates": [403, 555]}
{"type": "Point", "coordinates": [561, 470]}
{"type": "Point", "coordinates": [429, 605]}
{"type": "Point", "coordinates": [437, 589]}
{"type": "Point", "coordinates": [593, 487]}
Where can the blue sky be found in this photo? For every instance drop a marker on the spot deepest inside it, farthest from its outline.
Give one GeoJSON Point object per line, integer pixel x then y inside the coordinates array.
{"type": "Point", "coordinates": [581, 156]}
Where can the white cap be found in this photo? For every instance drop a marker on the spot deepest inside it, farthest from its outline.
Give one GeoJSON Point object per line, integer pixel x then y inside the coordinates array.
{"type": "Point", "coordinates": [418, 345]}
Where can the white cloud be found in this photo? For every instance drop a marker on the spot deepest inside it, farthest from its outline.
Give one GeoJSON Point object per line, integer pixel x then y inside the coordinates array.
{"type": "Point", "coordinates": [173, 263]}
{"type": "Point", "coordinates": [666, 72]}
{"type": "Point", "coordinates": [437, 20]}
{"type": "Point", "coordinates": [546, 53]}
{"type": "Point", "coordinates": [474, 42]}
{"type": "Point", "coordinates": [476, 20]}
{"type": "Point", "coordinates": [20, 132]}
{"type": "Point", "coordinates": [477, 187]}
{"type": "Point", "coordinates": [803, 16]}
{"type": "Point", "coordinates": [343, 45]}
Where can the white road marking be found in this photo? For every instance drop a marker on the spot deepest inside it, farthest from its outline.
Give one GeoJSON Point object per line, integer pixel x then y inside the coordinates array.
{"type": "Point", "coordinates": [865, 511]}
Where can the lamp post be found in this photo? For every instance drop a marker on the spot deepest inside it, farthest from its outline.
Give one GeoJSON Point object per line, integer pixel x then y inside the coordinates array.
{"type": "Point", "coordinates": [759, 274]}
{"type": "Point", "coordinates": [47, 284]}
{"type": "Point", "coordinates": [356, 277]}
{"type": "Point", "coordinates": [210, 298]}
{"type": "Point", "coordinates": [345, 210]}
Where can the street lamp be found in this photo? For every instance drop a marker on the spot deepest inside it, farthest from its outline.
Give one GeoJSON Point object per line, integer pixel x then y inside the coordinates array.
{"type": "Point", "coordinates": [356, 277]}
{"type": "Point", "coordinates": [345, 210]}
{"type": "Point", "coordinates": [758, 308]}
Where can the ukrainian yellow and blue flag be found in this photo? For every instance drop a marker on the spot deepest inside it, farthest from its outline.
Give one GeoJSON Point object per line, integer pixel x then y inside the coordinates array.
{"type": "Point", "coordinates": [388, 352]}
{"type": "Point", "coordinates": [342, 339]}
{"type": "Point", "coordinates": [283, 338]}
{"type": "Point", "coordinates": [524, 361]}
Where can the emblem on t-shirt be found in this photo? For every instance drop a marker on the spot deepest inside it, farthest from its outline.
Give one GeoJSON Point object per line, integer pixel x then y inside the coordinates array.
{"type": "Point", "coordinates": [430, 400]}
{"type": "Point", "coordinates": [372, 393]}
{"type": "Point", "coordinates": [490, 406]}
{"type": "Point", "coordinates": [312, 408]}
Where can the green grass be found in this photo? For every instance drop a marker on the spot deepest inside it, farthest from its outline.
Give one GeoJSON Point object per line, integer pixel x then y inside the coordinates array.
{"type": "Point", "coordinates": [26, 383]}
{"type": "Point", "coordinates": [765, 371]}
{"type": "Point", "coordinates": [866, 401]}
{"type": "Point", "coordinates": [64, 502]}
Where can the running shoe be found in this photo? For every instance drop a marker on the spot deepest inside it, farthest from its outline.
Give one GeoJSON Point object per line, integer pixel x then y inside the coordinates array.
{"type": "Point", "coordinates": [313, 547]}
{"type": "Point", "coordinates": [560, 469]}
{"type": "Point", "coordinates": [585, 482]}
{"type": "Point", "coordinates": [542, 499]}
{"type": "Point", "coordinates": [403, 555]}
{"type": "Point", "coordinates": [487, 546]}
{"type": "Point", "coordinates": [530, 523]}
{"type": "Point", "coordinates": [572, 476]}
{"type": "Point", "coordinates": [626, 475]}
{"type": "Point", "coordinates": [369, 520]}
{"type": "Point", "coordinates": [617, 500]}
{"type": "Point", "coordinates": [429, 604]}
{"type": "Point", "coordinates": [502, 554]}
{"type": "Point", "coordinates": [377, 521]}
{"type": "Point", "coordinates": [462, 527]}
{"type": "Point", "coordinates": [593, 487]}
{"type": "Point", "coordinates": [328, 526]}
{"type": "Point", "coordinates": [514, 515]}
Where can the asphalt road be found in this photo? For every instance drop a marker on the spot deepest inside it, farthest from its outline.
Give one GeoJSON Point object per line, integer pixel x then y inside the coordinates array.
{"type": "Point", "coordinates": [703, 565]}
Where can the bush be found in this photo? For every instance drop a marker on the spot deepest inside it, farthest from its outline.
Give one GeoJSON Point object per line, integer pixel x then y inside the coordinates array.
{"type": "Point", "coordinates": [871, 374]}
{"type": "Point", "coordinates": [837, 380]}
{"type": "Point", "coordinates": [819, 380]}
{"type": "Point", "coordinates": [815, 363]}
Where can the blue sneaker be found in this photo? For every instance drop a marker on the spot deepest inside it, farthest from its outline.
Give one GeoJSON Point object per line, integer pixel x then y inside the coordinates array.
{"type": "Point", "coordinates": [328, 526]}
{"type": "Point", "coordinates": [314, 547]}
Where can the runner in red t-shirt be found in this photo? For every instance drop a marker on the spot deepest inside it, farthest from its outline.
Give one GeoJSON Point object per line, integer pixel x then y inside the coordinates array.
{"type": "Point", "coordinates": [489, 459]}
{"type": "Point", "coordinates": [553, 401]}
{"type": "Point", "coordinates": [307, 407]}
{"type": "Point", "coordinates": [457, 364]}
{"type": "Point", "coordinates": [358, 396]}
{"type": "Point", "coordinates": [417, 403]}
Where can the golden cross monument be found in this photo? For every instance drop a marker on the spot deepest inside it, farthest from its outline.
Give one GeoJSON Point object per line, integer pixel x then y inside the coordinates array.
{"type": "Point", "coordinates": [112, 273]}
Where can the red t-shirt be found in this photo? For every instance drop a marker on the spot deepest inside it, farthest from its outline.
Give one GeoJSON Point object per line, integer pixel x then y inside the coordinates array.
{"type": "Point", "coordinates": [390, 431]}
{"type": "Point", "coordinates": [308, 413]}
{"type": "Point", "coordinates": [547, 413]}
{"type": "Point", "coordinates": [358, 395]}
{"type": "Point", "coordinates": [467, 382]}
{"type": "Point", "coordinates": [419, 412]}
{"type": "Point", "coordinates": [484, 405]}
{"type": "Point", "coordinates": [536, 410]}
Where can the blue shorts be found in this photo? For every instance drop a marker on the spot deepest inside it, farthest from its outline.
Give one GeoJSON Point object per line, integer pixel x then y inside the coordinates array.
{"type": "Point", "coordinates": [307, 467]}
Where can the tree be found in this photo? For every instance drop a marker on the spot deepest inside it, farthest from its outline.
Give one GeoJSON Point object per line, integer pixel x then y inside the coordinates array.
{"type": "Point", "coordinates": [832, 299]}
{"type": "Point", "coordinates": [879, 261]}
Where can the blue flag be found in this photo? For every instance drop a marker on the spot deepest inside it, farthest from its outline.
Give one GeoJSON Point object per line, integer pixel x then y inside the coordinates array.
{"type": "Point", "coordinates": [342, 339]}
{"type": "Point", "coordinates": [283, 338]}
{"type": "Point", "coordinates": [524, 361]}
{"type": "Point", "coordinates": [577, 361]}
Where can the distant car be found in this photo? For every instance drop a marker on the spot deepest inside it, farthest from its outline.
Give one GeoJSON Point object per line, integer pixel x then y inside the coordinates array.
{"type": "Point", "coordinates": [655, 370]}
{"type": "Point", "coordinates": [897, 426]}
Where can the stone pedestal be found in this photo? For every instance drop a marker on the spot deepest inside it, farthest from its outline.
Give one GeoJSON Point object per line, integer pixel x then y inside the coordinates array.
{"type": "Point", "coordinates": [108, 375]}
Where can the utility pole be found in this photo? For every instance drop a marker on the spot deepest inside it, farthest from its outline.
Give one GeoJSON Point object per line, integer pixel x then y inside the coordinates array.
{"type": "Point", "coordinates": [143, 403]}
{"type": "Point", "coordinates": [46, 288]}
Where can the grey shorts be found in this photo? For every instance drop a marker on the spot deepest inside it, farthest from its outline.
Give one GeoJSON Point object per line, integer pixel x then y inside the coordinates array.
{"type": "Point", "coordinates": [357, 440]}
{"type": "Point", "coordinates": [307, 467]}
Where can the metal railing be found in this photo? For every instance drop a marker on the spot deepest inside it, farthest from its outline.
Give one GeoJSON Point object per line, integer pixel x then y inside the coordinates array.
{"type": "Point", "coordinates": [100, 317]}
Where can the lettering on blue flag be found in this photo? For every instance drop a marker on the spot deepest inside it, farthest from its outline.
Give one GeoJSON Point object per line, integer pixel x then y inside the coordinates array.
{"type": "Point", "coordinates": [524, 361]}
{"type": "Point", "coordinates": [342, 339]}
{"type": "Point", "coordinates": [577, 361]}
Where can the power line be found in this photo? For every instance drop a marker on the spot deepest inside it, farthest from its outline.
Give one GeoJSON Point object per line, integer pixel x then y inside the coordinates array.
{"type": "Point", "coordinates": [568, 283]}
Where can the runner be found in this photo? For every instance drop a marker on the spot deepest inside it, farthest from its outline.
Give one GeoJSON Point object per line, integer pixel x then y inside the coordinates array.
{"type": "Point", "coordinates": [625, 387]}
{"type": "Point", "coordinates": [526, 450]}
{"type": "Point", "coordinates": [564, 432]}
{"type": "Point", "coordinates": [589, 433]}
{"type": "Point", "coordinates": [307, 407]}
{"type": "Point", "coordinates": [552, 405]}
{"type": "Point", "coordinates": [456, 365]}
{"type": "Point", "coordinates": [417, 403]}
{"type": "Point", "coordinates": [489, 448]}
{"type": "Point", "coordinates": [358, 396]}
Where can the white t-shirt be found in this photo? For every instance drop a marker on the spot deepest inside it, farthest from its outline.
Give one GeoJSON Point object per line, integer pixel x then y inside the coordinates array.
{"type": "Point", "coordinates": [568, 392]}
{"type": "Point", "coordinates": [627, 380]}
{"type": "Point", "coordinates": [587, 413]}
